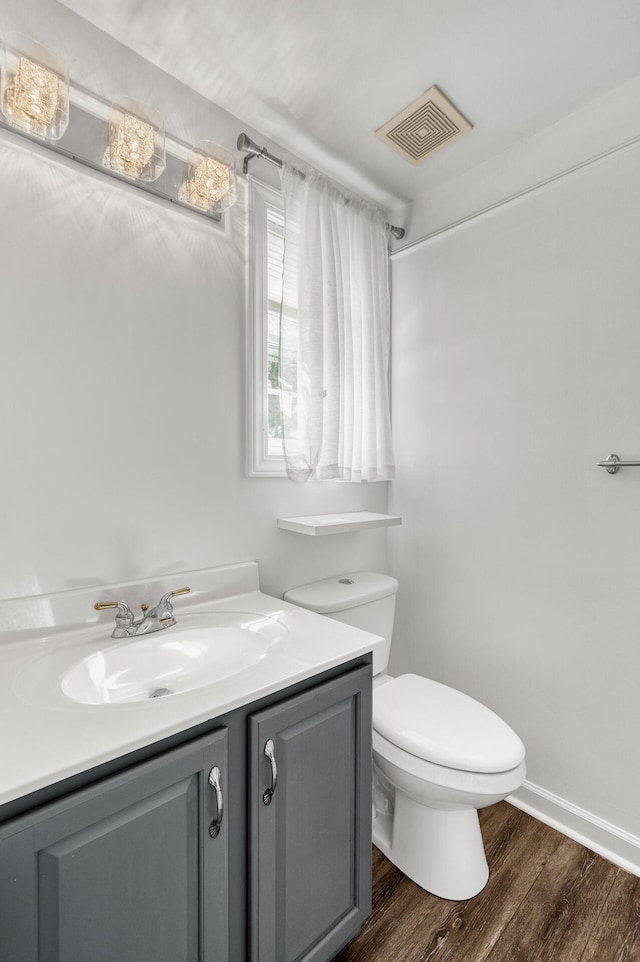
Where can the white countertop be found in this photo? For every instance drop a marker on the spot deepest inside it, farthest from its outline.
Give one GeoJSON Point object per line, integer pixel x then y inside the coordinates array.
{"type": "Point", "coordinates": [45, 737]}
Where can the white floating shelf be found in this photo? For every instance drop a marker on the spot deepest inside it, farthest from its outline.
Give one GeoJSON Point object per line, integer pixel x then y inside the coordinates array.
{"type": "Point", "coordinates": [317, 524]}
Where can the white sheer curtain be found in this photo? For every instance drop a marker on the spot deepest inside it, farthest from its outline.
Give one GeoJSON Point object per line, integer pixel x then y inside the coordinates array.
{"type": "Point", "coordinates": [336, 322]}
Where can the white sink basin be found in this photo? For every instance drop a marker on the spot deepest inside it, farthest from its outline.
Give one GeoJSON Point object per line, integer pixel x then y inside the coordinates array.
{"type": "Point", "coordinates": [200, 650]}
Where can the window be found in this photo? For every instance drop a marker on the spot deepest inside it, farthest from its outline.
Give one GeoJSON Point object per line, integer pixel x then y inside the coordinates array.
{"type": "Point", "coordinates": [266, 303]}
{"type": "Point", "coordinates": [319, 362]}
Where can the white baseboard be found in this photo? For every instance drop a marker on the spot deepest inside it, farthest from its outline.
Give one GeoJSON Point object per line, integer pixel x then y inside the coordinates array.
{"type": "Point", "coordinates": [594, 833]}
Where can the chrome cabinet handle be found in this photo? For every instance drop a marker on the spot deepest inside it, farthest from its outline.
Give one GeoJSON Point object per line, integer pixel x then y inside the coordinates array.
{"type": "Point", "coordinates": [214, 781]}
{"type": "Point", "coordinates": [269, 751]}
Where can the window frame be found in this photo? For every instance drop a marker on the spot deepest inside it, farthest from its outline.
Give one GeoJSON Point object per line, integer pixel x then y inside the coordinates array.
{"type": "Point", "coordinates": [262, 463]}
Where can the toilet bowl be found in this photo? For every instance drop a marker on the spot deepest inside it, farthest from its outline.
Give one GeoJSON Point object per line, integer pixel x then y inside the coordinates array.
{"type": "Point", "coordinates": [438, 755]}
{"type": "Point", "coordinates": [461, 757]}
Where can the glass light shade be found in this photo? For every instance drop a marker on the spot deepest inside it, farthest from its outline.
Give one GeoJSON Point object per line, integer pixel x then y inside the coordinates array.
{"type": "Point", "coordinates": [136, 142]}
{"type": "Point", "coordinates": [210, 184]}
{"type": "Point", "coordinates": [34, 90]}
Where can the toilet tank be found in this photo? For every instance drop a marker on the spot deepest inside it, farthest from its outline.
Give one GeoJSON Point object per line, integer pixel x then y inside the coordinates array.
{"type": "Point", "coordinates": [363, 599]}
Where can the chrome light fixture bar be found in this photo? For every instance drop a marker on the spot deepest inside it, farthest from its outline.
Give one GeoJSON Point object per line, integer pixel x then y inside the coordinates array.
{"type": "Point", "coordinates": [125, 140]}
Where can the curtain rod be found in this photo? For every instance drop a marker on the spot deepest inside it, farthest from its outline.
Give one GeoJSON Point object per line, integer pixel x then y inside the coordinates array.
{"type": "Point", "coordinates": [253, 150]}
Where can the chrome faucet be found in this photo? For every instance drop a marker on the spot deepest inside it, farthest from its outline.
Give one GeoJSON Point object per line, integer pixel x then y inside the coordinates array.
{"type": "Point", "coordinates": [152, 620]}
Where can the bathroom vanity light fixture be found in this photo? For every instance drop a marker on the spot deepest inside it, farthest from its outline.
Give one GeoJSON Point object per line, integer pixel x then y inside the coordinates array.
{"type": "Point", "coordinates": [211, 180]}
{"type": "Point", "coordinates": [125, 140]}
{"type": "Point", "coordinates": [34, 89]}
{"type": "Point", "coordinates": [136, 145]}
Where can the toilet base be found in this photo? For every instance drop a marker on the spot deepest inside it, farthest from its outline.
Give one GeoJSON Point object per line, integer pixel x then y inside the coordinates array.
{"type": "Point", "coordinates": [439, 849]}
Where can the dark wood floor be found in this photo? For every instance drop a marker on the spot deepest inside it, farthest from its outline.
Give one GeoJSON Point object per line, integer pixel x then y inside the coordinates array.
{"type": "Point", "coordinates": [548, 899]}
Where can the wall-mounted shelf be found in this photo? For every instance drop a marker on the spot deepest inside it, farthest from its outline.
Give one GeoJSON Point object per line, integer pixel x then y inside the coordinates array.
{"type": "Point", "coordinates": [319, 524]}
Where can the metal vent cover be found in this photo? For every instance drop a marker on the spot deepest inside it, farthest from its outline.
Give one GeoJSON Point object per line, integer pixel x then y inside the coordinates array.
{"type": "Point", "coordinates": [425, 126]}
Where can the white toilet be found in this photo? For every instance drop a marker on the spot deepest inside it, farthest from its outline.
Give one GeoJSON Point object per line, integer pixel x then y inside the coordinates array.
{"type": "Point", "coordinates": [438, 755]}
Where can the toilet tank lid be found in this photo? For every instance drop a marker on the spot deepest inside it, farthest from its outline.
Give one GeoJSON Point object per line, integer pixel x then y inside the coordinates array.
{"type": "Point", "coordinates": [341, 592]}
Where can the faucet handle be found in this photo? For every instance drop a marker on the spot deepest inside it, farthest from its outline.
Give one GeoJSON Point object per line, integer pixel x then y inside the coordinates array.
{"type": "Point", "coordinates": [124, 617]}
{"type": "Point", "coordinates": [165, 601]}
{"type": "Point", "coordinates": [162, 615]}
{"type": "Point", "coordinates": [164, 608]}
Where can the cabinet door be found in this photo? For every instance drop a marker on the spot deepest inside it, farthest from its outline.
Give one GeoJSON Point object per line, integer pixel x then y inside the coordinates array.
{"type": "Point", "coordinates": [310, 852]}
{"type": "Point", "coordinates": [123, 871]}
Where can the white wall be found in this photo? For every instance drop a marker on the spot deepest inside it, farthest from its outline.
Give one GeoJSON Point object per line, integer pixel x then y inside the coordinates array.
{"type": "Point", "coordinates": [516, 346]}
{"type": "Point", "coordinates": [123, 411]}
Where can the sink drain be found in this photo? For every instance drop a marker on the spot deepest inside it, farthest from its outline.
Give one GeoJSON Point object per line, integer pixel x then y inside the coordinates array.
{"type": "Point", "coordinates": [159, 692]}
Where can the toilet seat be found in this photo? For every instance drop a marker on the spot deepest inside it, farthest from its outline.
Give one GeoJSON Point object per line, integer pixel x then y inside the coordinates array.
{"type": "Point", "coordinates": [439, 725]}
{"type": "Point", "coordinates": [473, 783]}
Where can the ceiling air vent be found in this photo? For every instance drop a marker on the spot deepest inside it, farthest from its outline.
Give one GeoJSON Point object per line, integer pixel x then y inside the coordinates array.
{"type": "Point", "coordinates": [422, 128]}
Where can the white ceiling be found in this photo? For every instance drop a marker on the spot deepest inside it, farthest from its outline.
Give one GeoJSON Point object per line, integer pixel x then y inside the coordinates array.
{"type": "Point", "coordinates": [319, 78]}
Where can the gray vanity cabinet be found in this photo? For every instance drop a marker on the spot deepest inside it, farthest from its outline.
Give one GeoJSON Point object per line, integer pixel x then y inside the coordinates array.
{"type": "Point", "coordinates": [128, 867]}
{"type": "Point", "coordinates": [310, 839]}
{"type": "Point", "coordinates": [123, 871]}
